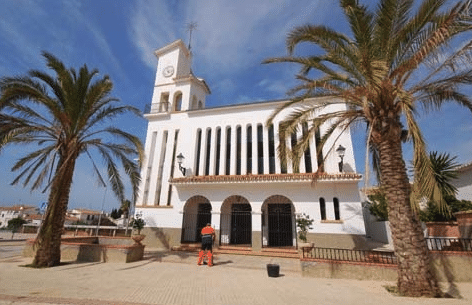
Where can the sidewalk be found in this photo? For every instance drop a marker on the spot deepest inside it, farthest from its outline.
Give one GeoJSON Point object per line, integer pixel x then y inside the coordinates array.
{"type": "Point", "coordinates": [174, 278]}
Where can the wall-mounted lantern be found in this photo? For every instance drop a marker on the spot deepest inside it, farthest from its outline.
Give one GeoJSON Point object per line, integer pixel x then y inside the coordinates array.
{"type": "Point", "coordinates": [180, 159]}
{"type": "Point", "coordinates": [340, 151]}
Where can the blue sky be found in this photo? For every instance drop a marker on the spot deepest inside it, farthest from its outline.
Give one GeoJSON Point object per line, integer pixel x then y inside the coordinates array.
{"type": "Point", "coordinates": [233, 37]}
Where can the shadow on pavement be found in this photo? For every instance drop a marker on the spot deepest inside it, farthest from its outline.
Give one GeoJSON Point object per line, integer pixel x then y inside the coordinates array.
{"type": "Point", "coordinates": [223, 263]}
{"type": "Point", "coordinates": [163, 256]}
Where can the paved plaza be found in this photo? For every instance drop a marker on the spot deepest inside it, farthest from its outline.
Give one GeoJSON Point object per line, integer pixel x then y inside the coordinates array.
{"type": "Point", "coordinates": [174, 278]}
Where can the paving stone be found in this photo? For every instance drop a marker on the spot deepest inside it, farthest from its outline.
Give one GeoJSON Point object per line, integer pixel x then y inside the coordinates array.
{"type": "Point", "coordinates": [174, 278]}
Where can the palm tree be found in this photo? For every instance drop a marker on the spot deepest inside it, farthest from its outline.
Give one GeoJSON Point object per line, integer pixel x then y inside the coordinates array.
{"type": "Point", "coordinates": [400, 57]}
{"type": "Point", "coordinates": [65, 116]}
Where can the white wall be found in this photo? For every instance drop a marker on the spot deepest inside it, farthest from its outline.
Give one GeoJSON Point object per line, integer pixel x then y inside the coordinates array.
{"type": "Point", "coordinates": [464, 184]}
{"type": "Point", "coordinates": [304, 197]}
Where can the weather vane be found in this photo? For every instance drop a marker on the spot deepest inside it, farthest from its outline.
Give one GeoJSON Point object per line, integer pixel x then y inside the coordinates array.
{"type": "Point", "coordinates": [190, 27]}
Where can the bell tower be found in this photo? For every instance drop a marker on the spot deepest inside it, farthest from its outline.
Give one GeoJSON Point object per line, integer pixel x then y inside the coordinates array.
{"type": "Point", "coordinates": [176, 89]}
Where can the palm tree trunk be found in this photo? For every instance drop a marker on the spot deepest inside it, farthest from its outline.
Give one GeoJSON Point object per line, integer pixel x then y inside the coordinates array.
{"type": "Point", "coordinates": [48, 241]}
{"type": "Point", "coordinates": [415, 277]}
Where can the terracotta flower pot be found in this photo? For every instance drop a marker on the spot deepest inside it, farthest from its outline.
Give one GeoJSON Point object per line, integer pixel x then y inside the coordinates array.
{"type": "Point", "coordinates": [306, 245]}
{"type": "Point", "coordinates": [138, 238]}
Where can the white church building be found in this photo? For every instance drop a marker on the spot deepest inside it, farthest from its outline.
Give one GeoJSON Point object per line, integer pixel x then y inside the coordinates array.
{"type": "Point", "coordinates": [219, 165]}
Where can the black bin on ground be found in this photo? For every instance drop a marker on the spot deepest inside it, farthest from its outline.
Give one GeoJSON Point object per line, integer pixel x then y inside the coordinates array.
{"type": "Point", "coordinates": [273, 270]}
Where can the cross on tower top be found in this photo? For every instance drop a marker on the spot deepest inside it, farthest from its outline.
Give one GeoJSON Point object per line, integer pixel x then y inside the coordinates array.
{"type": "Point", "coordinates": [190, 27]}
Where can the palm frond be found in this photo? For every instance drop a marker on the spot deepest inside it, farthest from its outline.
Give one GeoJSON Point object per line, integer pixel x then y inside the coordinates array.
{"type": "Point", "coordinates": [95, 168]}
{"type": "Point", "coordinates": [114, 176]}
{"type": "Point", "coordinates": [424, 180]}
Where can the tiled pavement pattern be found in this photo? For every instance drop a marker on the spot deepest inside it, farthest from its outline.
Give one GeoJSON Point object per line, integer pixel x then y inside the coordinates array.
{"type": "Point", "coordinates": [174, 278]}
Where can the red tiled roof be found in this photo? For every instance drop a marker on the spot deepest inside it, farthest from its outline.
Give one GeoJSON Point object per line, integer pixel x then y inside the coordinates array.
{"type": "Point", "coordinates": [33, 216]}
{"type": "Point", "coordinates": [71, 218]}
{"type": "Point", "coordinates": [267, 178]}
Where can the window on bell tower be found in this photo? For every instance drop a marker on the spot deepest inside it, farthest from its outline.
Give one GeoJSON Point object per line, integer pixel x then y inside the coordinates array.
{"type": "Point", "coordinates": [194, 103]}
{"type": "Point", "coordinates": [177, 101]}
{"type": "Point", "coordinates": [164, 103]}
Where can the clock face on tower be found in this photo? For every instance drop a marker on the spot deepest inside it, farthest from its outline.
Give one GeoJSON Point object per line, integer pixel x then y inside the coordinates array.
{"type": "Point", "coordinates": [168, 71]}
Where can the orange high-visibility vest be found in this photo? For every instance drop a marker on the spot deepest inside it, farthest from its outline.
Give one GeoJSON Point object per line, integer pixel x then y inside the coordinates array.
{"type": "Point", "coordinates": [208, 231]}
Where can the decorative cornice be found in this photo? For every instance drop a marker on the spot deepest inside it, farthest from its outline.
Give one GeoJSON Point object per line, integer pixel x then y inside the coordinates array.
{"type": "Point", "coordinates": [176, 44]}
{"type": "Point", "coordinates": [269, 178]}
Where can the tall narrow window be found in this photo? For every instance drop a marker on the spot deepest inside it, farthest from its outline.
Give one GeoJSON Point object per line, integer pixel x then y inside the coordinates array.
{"type": "Point", "coordinates": [157, 199]}
{"type": "Point", "coordinates": [322, 208]}
{"type": "Point", "coordinates": [208, 150]}
{"type": "Point", "coordinates": [169, 193]}
{"type": "Point", "coordinates": [260, 150]}
{"type": "Point", "coordinates": [293, 143]}
{"type": "Point", "coordinates": [283, 164]}
{"type": "Point", "coordinates": [307, 154]}
{"type": "Point", "coordinates": [337, 215]}
{"type": "Point", "coordinates": [271, 150]}
{"type": "Point", "coordinates": [319, 150]}
{"type": "Point", "coordinates": [238, 150]}
{"type": "Point", "coordinates": [218, 150]}
{"type": "Point", "coordinates": [228, 150]}
{"type": "Point", "coordinates": [149, 168]}
{"type": "Point", "coordinates": [249, 150]}
{"type": "Point", "coordinates": [197, 159]}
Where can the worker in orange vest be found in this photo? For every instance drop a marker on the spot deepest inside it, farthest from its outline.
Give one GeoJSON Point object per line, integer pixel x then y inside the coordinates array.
{"type": "Point", "coordinates": [208, 234]}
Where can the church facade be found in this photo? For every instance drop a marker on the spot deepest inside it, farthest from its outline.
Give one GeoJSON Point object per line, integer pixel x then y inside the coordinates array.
{"type": "Point", "coordinates": [220, 165]}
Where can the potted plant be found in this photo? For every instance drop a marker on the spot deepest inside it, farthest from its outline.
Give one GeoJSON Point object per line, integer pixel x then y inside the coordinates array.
{"type": "Point", "coordinates": [138, 224]}
{"type": "Point", "coordinates": [304, 223]}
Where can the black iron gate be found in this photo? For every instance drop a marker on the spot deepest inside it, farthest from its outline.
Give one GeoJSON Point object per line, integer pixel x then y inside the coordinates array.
{"type": "Point", "coordinates": [194, 222]}
{"type": "Point", "coordinates": [203, 217]}
{"type": "Point", "coordinates": [280, 225]}
{"type": "Point", "coordinates": [241, 227]}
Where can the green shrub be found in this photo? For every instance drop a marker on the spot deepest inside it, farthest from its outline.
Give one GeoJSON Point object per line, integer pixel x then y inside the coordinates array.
{"type": "Point", "coordinates": [138, 224]}
{"type": "Point", "coordinates": [453, 205]}
{"type": "Point", "coordinates": [378, 205]}
{"type": "Point", "coordinates": [16, 223]}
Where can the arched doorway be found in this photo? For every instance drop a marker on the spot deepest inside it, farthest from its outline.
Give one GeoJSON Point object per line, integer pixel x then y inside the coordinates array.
{"type": "Point", "coordinates": [197, 213]}
{"type": "Point", "coordinates": [278, 222]}
{"type": "Point", "coordinates": [236, 221]}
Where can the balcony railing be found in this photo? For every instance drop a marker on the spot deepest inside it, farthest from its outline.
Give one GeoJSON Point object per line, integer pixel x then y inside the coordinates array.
{"type": "Point", "coordinates": [348, 255]}
{"type": "Point", "coordinates": [449, 244]}
{"type": "Point", "coordinates": [154, 108]}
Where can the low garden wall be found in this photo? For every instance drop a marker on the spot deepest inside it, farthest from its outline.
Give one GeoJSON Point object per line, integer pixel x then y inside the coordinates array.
{"type": "Point", "coordinates": [443, 229]}
{"type": "Point", "coordinates": [464, 220]}
{"type": "Point", "coordinates": [452, 266]}
{"type": "Point", "coordinates": [95, 249]}
{"type": "Point", "coordinates": [348, 270]}
{"type": "Point", "coordinates": [449, 266]}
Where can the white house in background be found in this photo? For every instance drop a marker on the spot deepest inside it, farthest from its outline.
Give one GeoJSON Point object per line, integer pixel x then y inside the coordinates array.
{"type": "Point", "coordinates": [82, 215]}
{"type": "Point", "coordinates": [463, 183]}
{"type": "Point", "coordinates": [8, 213]}
{"type": "Point", "coordinates": [230, 174]}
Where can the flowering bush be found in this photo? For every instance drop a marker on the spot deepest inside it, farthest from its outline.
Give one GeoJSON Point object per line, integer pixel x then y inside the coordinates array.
{"type": "Point", "coordinates": [304, 224]}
